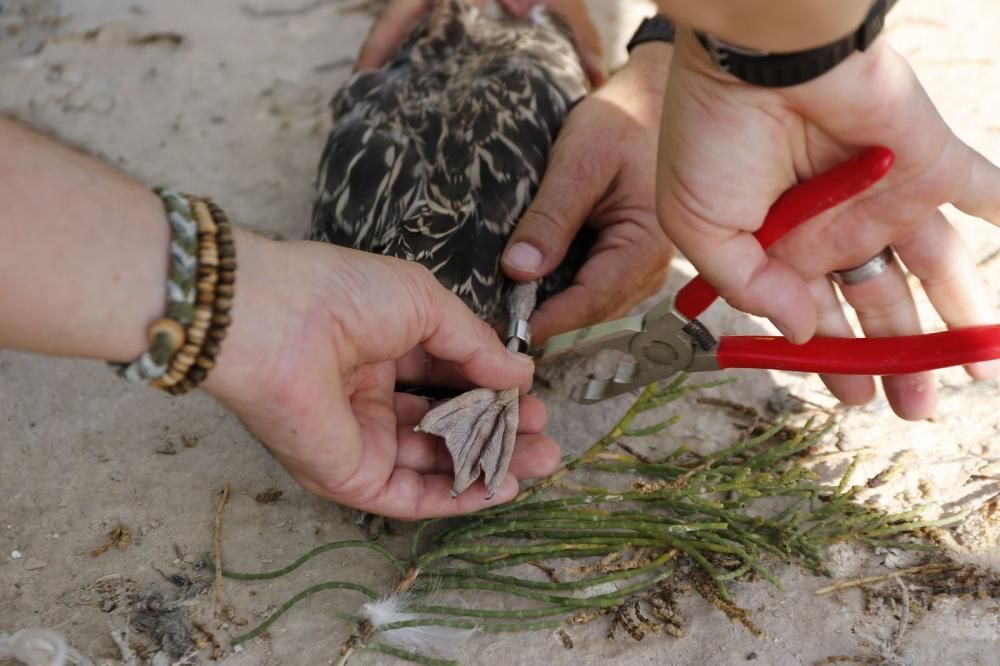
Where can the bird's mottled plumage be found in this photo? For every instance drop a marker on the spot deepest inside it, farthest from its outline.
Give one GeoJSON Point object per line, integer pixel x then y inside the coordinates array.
{"type": "Point", "coordinates": [435, 157]}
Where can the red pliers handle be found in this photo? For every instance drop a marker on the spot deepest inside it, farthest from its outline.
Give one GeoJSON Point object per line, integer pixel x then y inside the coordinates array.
{"type": "Point", "coordinates": [670, 339]}
{"type": "Point", "coordinates": [797, 205]}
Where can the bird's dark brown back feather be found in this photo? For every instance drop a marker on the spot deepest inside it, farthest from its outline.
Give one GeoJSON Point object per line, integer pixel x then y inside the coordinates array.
{"type": "Point", "coordinates": [435, 157]}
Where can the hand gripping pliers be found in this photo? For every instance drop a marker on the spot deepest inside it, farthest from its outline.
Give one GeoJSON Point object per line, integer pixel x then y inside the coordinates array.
{"type": "Point", "coordinates": [669, 338]}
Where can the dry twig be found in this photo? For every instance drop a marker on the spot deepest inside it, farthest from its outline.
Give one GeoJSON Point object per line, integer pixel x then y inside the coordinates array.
{"type": "Point", "coordinates": [857, 582]}
{"type": "Point", "coordinates": [210, 637]}
{"type": "Point", "coordinates": [120, 536]}
{"type": "Point", "coordinates": [218, 549]}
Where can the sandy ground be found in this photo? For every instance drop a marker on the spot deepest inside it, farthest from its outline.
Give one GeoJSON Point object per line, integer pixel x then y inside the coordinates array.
{"type": "Point", "coordinates": [237, 109]}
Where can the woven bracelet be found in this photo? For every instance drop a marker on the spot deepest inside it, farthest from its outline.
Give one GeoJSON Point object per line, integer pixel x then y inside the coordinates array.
{"type": "Point", "coordinates": [167, 335]}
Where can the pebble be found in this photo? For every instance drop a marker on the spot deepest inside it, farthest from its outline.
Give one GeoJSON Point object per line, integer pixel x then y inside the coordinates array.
{"type": "Point", "coordinates": [32, 564]}
{"type": "Point", "coordinates": [16, 554]}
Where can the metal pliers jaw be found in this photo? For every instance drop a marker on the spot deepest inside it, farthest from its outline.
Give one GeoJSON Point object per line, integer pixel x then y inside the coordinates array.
{"type": "Point", "coordinates": [661, 343]}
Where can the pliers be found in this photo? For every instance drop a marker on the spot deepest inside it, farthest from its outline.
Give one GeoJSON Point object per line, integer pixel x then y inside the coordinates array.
{"type": "Point", "coordinates": [669, 339]}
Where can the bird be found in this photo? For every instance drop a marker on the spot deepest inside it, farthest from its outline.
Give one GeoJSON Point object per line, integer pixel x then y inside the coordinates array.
{"type": "Point", "coordinates": [433, 159]}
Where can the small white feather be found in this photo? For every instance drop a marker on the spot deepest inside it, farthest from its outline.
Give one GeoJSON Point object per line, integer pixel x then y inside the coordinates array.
{"type": "Point", "coordinates": [429, 640]}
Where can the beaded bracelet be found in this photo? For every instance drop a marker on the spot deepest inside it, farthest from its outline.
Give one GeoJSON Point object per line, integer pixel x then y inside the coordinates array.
{"type": "Point", "coordinates": [216, 288]}
{"type": "Point", "coordinates": [207, 263]}
{"type": "Point", "coordinates": [200, 290]}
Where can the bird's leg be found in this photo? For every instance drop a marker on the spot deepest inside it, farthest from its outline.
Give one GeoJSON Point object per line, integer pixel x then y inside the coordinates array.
{"type": "Point", "coordinates": [520, 304]}
{"type": "Point", "coordinates": [479, 427]}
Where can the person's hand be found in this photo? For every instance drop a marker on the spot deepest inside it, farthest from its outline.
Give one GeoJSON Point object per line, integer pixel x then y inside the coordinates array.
{"type": "Point", "coordinates": [400, 17]}
{"type": "Point", "coordinates": [601, 172]}
{"type": "Point", "coordinates": [728, 150]}
{"type": "Point", "coordinates": [321, 334]}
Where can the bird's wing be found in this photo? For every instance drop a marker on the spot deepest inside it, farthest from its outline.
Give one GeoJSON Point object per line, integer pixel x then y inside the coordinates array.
{"type": "Point", "coordinates": [371, 170]}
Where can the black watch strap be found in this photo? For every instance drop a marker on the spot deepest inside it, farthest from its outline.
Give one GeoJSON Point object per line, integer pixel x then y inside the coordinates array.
{"type": "Point", "coordinates": [780, 70]}
{"type": "Point", "coordinates": [653, 29]}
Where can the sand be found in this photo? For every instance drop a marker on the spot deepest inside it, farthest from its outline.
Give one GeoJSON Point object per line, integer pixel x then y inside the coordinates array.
{"type": "Point", "coordinates": [230, 100]}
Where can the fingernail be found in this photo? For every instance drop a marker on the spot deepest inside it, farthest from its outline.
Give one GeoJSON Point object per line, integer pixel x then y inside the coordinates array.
{"type": "Point", "coordinates": [519, 358]}
{"type": "Point", "coordinates": [523, 257]}
{"type": "Point", "coordinates": [785, 331]}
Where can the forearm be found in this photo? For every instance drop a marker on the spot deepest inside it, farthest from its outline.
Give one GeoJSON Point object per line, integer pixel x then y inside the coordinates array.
{"type": "Point", "coordinates": [83, 260]}
{"type": "Point", "coordinates": [770, 25]}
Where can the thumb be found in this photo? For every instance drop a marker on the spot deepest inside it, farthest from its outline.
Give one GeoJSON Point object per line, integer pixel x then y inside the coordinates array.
{"type": "Point", "coordinates": [573, 184]}
{"type": "Point", "coordinates": [451, 332]}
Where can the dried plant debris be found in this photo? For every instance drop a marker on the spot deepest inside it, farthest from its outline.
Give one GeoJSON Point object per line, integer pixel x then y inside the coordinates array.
{"type": "Point", "coordinates": [887, 649]}
{"type": "Point", "coordinates": [632, 452]}
{"type": "Point", "coordinates": [269, 496]}
{"type": "Point", "coordinates": [479, 428]}
{"type": "Point", "coordinates": [230, 614]}
{"type": "Point", "coordinates": [938, 578]}
{"type": "Point", "coordinates": [658, 526]}
{"type": "Point", "coordinates": [108, 593]}
{"type": "Point", "coordinates": [168, 449]}
{"type": "Point", "coordinates": [372, 525]}
{"type": "Point", "coordinates": [163, 618]}
{"type": "Point", "coordinates": [629, 618]}
{"type": "Point", "coordinates": [933, 582]}
{"type": "Point", "coordinates": [664, 608]}
{"type": "Point", "coordinates": [168, 38]}
{"type": "Point", "coordinates": [906, 595]}
{"type": "Point", "coordinates": [885, 476]}
{"type": "Point", "coordinates": [782, 404]}
{"type": "Point", "coordinates": [119, 35]}
{"type": "Point", "coordinates": [187, 587]}
{"type": "Point", "coordinates": [120, 536]}
{"type": "Point", "coordinates": [710, 592]}
{"type": "Point", "coordinates": [206, 639]}
{"type": "Point", "coordinates": [783, 401]}
{"type": "Point", "coordinates": [549, 571]}
{"type": "Point", "coordinates": [617, 561]}
{"type": "Point", "coordinates": [164, 621]}
{"type": "Point", "coordinates": [660, 603]}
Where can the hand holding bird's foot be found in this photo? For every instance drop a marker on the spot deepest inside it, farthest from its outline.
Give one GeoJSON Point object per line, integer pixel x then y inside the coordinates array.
{"type": "Point", "coordinates": [318, 389]}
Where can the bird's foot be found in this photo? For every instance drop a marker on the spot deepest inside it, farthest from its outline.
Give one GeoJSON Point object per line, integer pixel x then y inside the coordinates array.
{"type": "Point", "coordinates": [479, 428]}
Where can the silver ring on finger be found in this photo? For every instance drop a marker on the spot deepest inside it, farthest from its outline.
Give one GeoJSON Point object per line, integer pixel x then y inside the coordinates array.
{"type": "Point", "coordinates": [866, 271]}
